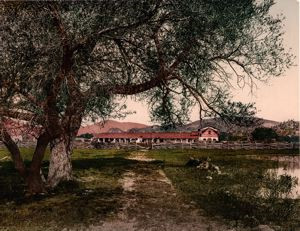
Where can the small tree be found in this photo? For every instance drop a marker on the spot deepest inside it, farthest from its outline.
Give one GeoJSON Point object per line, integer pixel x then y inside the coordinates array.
{"type": "Point", "coordinates": [86, 135]}
{"type": "Point", "coordinates": [264, 134]}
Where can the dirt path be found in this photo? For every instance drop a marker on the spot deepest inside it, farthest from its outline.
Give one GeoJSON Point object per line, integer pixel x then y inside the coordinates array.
{"type": "Point", "coordinates": [151, 203]}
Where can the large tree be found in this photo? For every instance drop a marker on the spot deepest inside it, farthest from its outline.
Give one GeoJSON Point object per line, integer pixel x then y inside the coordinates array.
{"type": "Point", "coordinates": [61, 62]}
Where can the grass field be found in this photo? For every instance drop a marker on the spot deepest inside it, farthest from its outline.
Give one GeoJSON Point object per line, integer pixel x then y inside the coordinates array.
{"type": "Point", "coordinates": [92, 197]}
{"type": "Point", "coordinates": [96, 193]}
{"type": "Point", "coordinates": [236, 194]}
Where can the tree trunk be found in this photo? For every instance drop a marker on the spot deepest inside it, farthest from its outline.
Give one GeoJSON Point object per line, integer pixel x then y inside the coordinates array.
{"type": "Point", "coordinates": [34, 182]}
{"type": "Point", "coordinates": [60, 167]}
{"type": "Point", "coordinates": [14, 151]}
{"type": "Point", "coordinates": [34, 179]}
{"type": "Point", "coordinates": [32, 176]}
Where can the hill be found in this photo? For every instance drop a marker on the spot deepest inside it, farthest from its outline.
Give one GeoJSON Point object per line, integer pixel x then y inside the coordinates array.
{"type": "Point", "coordinates": [219, 124]}
{"type": "Point", "coordinates": [110, 126]}
{"type": "Point", "coordinates": [216, 123]}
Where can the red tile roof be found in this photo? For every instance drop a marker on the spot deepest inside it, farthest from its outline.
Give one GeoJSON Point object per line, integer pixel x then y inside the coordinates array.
{"type": "Point", "coordinates": [149, 135]}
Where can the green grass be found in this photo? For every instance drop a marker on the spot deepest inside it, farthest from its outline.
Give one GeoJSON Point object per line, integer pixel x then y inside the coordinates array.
{"type": "Point", "coordinates": [178, 156]}
{"type": "Point", "coordinates": [97, 193]}
{"type": "Point", "coordinates": [234, 194]}
{"type": "Point", "coordinates": [94, 196]}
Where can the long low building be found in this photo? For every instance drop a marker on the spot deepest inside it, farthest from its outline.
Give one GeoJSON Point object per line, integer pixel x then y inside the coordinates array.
{"type": "Point", "coordinates": [206, 134]}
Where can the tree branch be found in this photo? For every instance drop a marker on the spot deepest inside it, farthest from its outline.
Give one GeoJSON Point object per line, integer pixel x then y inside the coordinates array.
{"type": "Point", "coordinates": [59, 24]}
{"type": "Point", "coordinates": [139, 88]}
{"type": "Point", "coordinates": [17, 115]}
{"type": "Point", "coordinates": [88, 40]}
{"type": "Point", "coordinates": [13, 150]}
{"type": "Point", "coordinates": [197, 94]}
{"type": "Point", "coordinates": [180, 57]}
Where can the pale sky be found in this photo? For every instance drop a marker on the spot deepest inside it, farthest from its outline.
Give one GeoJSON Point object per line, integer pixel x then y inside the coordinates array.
{"type": "Point", "coordinates": [279, 99]}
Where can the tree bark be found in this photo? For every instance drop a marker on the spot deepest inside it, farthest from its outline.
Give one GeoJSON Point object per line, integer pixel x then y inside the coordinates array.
{"type": "Point", "coordinates": [60, 167]}
{"type": "Point", "coordinates": [32, 176]}
{"type": "Point", "coordinates": [34, 179]}
{"type": "Point", "coordinates": [14, 151]}
{"type": "Point", "coordinates": [34, 182]}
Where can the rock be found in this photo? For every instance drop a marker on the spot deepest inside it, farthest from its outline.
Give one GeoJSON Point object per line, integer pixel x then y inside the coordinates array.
{"type": "Point", "coordinates": [263, 228]}
{"type": "Point", "coordinates": [204, 165]}
{"type": "Point", "coordinates": [215, 168]}
{"type": "Point", "coordinates": [192, 162]}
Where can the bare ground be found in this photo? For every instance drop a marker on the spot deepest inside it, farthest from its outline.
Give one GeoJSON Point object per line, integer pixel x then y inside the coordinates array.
{"type": "Point", "coordinates": [150, 202]}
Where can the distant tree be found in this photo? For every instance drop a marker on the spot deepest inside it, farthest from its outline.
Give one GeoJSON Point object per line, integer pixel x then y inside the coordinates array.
{"type": "Point", "coordinates": [63, 61]}
{"type": "Point", "coordinates": [264, 134]}
{"type": "Point", "coordinates": [287, 128]}
{"type": "Point", "coordinates": [289, 138]}
{"type": "Point", "coordinates": [87, 135]}
{"type": "Point", "coordinates": [224, 136]}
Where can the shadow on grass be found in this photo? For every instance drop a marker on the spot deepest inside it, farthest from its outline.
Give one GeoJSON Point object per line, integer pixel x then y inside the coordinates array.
{"type": "Point", "coordinates": [11, 184]}
{"type": "Point", "coordinates": [102, 163]}
{"type": "Point", "coordinates": [94, 195]}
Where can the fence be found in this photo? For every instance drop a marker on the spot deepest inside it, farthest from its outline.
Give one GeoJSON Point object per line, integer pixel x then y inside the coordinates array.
{"type": "Point", "coordinates": [227, 145]}
{"type": "Point", "coordinates": [219, 145]}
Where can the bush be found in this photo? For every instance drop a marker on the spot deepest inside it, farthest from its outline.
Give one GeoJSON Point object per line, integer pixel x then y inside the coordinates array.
{"type": "Point", "coordinates": [264, 134]}
{"type": "Point", "coordinates": [86, 136]}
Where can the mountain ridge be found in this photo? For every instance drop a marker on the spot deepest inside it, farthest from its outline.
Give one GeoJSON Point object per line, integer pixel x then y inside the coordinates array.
{"type": "Point", "coordinates": [110, 125]}
{"type": "Point", "coordinates": [113, 126]}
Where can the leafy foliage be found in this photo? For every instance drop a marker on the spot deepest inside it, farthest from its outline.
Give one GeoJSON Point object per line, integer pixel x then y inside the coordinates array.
{"type": "Point", "coordinates": [264, 134]}
{"type": "Point", "coordinates": [178, 52]}
{"type": "Point", "coordinates": [87, 135]}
